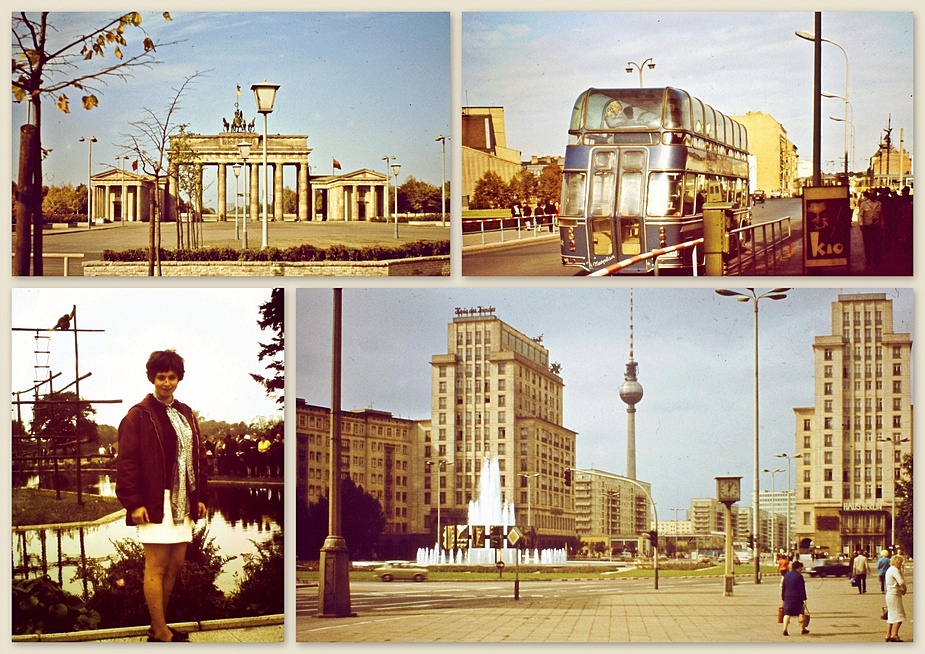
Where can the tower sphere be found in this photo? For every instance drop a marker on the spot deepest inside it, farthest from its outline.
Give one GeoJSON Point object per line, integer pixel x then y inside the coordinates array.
{"type": "Point", "coordinates": [631, 392]}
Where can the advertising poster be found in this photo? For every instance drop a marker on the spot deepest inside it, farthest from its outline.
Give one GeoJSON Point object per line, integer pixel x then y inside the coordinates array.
{"type": "Point", "coordinates": [826, 226]}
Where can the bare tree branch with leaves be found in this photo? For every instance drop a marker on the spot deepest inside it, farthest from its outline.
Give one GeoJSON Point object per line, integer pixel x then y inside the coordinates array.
{"type": "Point", "coordinates": [150, 143]}
{"type": "Point", "coordinates": [41, 67]}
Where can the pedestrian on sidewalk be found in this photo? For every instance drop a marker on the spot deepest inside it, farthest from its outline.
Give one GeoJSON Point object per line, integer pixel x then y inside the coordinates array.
{"type": "Point", "coordinates": [161, 476]}
{"type": "Point", "coordinates": [793, 596]}
{"type": "Point", "coordinates": [895, 589]}
{"type": "Point", "coordinates": [883, 564]}
{"type": "Point", "coordinates": [859, 569]}
{"type": "Point", "coordinates": [870, 213]}
{"type": "Point", "coordinates": [783, 564]}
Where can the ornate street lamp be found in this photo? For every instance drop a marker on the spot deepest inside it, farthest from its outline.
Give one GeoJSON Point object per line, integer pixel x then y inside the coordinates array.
{"type": "Point", "coordinates": [265, 96]}
{"type": "Point", "coordinates": [631, 64]}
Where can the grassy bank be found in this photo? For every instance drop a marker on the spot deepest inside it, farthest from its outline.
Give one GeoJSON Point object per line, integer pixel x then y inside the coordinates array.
{"type": "Point", "coordinates": [40, 507]}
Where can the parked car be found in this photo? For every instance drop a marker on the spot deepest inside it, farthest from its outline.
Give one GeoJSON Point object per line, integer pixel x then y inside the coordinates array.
{"type": "Point", "coordinates": [401, 570]}
{"type": "Point", "coordinates": [758, 197]}
{"type": "Point", "coordinates": [830, 568]}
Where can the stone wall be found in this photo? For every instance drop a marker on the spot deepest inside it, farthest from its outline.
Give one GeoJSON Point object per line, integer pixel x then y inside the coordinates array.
{"type": "Point", "coordinates": [422, 266]}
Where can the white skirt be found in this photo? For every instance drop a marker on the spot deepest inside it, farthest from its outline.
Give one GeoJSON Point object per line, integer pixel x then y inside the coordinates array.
{"type": "Point", "coordinates": [166, 532]}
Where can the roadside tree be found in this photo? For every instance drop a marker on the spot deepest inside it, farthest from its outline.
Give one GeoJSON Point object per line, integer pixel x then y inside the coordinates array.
{"type": "Point", "coordinates": [48, 62]}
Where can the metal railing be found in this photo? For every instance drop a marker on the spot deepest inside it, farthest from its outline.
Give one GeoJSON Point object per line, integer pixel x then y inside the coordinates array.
{"type": "Point", "coordinates": [765, 244]}
{"type": "Point", "coordinates": [508, 228]}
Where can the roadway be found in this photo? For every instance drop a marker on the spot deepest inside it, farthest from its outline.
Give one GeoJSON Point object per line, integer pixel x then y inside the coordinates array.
{"type": "Point", "coordinates": [538, 255]}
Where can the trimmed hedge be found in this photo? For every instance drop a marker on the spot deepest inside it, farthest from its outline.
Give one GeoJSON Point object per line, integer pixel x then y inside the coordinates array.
{"type": "Point", "coordinates": [303, 252]}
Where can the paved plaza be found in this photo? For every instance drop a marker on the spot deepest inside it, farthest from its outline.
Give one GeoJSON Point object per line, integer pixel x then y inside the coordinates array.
{"type": "Point", "coordinates": [90, 243]}
{"type": "Point", "coordinates": [629, 611]}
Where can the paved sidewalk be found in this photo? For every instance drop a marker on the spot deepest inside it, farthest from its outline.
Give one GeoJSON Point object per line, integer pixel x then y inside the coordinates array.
{"type": "Point", "coordinates": [634, 612]}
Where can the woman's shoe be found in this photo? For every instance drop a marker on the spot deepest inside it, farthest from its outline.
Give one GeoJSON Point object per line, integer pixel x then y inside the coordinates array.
{"type": "Point", "coordinates": [785, 633]}
{"type": "Point", "coordinates": [178, 636]}
{"type": "Point", "coordinates": [804, 631]}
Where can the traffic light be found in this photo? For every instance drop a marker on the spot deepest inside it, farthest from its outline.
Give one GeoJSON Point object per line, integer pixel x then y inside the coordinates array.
{"type": "Point", "coordinates": [496, 537]}
{"type": "Point", "coordinates": [568, 476]}
{"type": "Point", "coordinates": [653, 538]}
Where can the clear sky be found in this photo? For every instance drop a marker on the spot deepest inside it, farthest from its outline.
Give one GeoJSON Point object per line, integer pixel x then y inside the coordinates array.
{"type": "Point", "coordinates": [360, 85]}
{"type": "Point", "coordinates": [214, 330]}
{"type": "Point", "coordinates": [536, 64]}
{"type": "Point", "coordinates": [694, 349]}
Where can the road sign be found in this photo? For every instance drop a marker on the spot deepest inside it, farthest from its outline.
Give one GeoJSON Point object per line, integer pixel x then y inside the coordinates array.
{"type": "Point", "coordinates": [478, 535]}
{"type": "Point", "coordinates": [514, 536]}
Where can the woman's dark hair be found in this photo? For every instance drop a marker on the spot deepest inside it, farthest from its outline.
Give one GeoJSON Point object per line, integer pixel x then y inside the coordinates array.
{"type": "Point", "coordinates": [164, 361]}
{"type": "Point", "coordinates": [797, 565]}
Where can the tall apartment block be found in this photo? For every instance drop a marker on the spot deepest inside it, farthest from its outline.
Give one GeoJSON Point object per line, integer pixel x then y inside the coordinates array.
{"type": "Point", "coordinates": [851, 442]}
{"type": "Point", "coordinates": [496, 394]}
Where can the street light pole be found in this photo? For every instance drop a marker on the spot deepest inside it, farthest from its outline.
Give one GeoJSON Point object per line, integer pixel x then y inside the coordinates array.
{"type": "Point", "coordinates": [442, 140]}
{"type": "Point", "coordinates": [894, 443]}
{"type": "Point", "coordinates": [632, 64]}
{"type": "Point", "coordinates": [122, 202]}
{"type": "Point", "coordinates": [774, 294]}
{"type": "Point", "coordinates": [265, 96]}
{"type": "Point", "coordinates": [395, 168]}
{"type": "Point", "coordinates": [90, 141]}
{"type": "Point", "coordinates": [789, 457]}
{"type": "Point", "coordinates": [773, 512]}
{"type": "Point", "coordinates": [388, 176]}
{"type": "Point", "coordinates": [244, 148]}
{"type": "Point", "coordinates": [236, 167]}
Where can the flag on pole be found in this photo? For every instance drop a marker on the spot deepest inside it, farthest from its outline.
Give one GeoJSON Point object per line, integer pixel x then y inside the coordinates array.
{"type": "Point", "coordinates": [336, 163]}
{"type": "Point", "coordinates": [135, 165]}
{"type": "Point", "coordinates": [239, 89]}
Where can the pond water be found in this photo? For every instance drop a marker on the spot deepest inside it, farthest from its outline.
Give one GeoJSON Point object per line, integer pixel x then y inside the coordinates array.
{"type": "Point", "coordinates": [239, 516]}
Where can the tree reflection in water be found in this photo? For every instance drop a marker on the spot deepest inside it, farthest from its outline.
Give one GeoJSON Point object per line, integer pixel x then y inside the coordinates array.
{"type": "Point", "coordinates": [239, 516]}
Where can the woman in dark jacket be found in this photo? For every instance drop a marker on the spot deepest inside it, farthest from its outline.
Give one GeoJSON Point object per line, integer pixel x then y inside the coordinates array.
{"type": "Point", "coordinates": [793, 595]}
{"type": "Point", "coordinates": [160, 481]}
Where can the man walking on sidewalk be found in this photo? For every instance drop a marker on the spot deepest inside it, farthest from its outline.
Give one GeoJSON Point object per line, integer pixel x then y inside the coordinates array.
{"type": "Point", "coordinates": [859, 569]}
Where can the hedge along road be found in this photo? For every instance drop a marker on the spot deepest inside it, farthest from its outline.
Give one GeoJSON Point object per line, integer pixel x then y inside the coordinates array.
{"type": "Point", "coordinates": [92, 242]}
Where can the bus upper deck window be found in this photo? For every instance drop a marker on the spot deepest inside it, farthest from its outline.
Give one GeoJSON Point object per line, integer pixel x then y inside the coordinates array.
{"type": "Point", "coordinates": [677, 109]}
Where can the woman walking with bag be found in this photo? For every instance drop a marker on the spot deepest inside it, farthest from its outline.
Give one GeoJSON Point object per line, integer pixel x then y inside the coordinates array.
{"type": "Point", "coordinates": [793, 596]}
{"type": "Point", "coordinates": [895, 589]}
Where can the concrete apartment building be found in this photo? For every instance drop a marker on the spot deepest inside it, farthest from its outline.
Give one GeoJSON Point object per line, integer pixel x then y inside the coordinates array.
{"type": "Point", "coordinates": [496, 394]}
{"type": "Point", "coordinates": [851, 442]}
{"type": "Point", "coordinates": [775, 155]}
{"type": "Point", "coordinates": [614, 509]}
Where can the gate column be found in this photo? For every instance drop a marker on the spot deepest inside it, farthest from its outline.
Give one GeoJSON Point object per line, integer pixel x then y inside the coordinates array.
{"type": "Point", "coordinates": [222, 190]}
{"type": "Point", "coordinates": [278, 191]}
{"type": "Point", "coordinates": [304, 191]}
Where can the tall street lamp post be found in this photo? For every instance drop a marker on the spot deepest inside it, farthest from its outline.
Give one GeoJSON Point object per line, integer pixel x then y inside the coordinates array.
{"type": "Point", "coordinates": [809, 36]}
{"type": "Point", "coordinates": [244, 148]}
{"type": "Point", "coordinates": [236, 167]}
{"type": "Point", "coordinates": [773, 512]}
{"type": "Point", "coordinates": [848, 120]}
{"type": "Point", "coordinates": [122, 202]}
{"type": "Point", "coordinates": [265, 95]}
{"type": "Point", "coordinates": [388, 176]}
{"type": "Point", "coordinates": [395, 168]}
{"type": "Point", "coordinates": [676, 531]}
{"type": "Point", "coordinates": [790, 491]}
{"type": "Point", "coordinates": [632, 64]}
{"type": "Point", "coordinates": [893, 443]}
{"type": "Point", "coordinates": [90, 141]}
{"type": "Point", "coordinates": [441, 465]}
{"type": "Point", "coordinates": [442, 140]}
{"type": "Point", "coordinates": [774, 294]}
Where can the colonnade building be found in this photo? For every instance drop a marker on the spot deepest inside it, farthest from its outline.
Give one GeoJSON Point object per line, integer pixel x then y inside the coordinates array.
{"type": "Point", "coordinates": [851, 443]}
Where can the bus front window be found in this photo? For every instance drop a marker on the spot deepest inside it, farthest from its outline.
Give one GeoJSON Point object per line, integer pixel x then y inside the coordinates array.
{"type": "Point", "coordinates": [573, 194]}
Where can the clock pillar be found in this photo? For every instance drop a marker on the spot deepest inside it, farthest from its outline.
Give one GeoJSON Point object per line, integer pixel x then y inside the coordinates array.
{"type": "Point", "coordinates": [728, 491]}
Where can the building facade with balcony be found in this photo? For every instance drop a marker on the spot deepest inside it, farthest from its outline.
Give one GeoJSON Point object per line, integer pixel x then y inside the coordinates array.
{"type": "Point", "coordinates": [612, 509]}
{"type": "Point", "coordinates": [853, 439]}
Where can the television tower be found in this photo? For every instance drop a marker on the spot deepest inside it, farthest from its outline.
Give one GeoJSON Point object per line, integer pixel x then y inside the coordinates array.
{"type": "Point", "coordinates": [631, 393]}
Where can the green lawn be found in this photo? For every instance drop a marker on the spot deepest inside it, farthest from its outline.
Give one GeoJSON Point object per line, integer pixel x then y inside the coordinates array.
{"type": "Point", "coordinates": [40, 507]}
